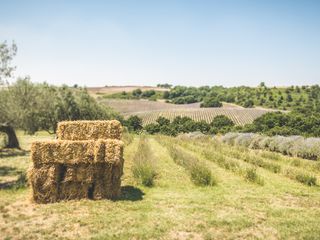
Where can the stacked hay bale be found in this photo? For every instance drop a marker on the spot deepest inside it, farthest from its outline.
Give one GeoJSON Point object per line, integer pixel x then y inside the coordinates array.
{"type": "Point", "coordinates": [85, 162]}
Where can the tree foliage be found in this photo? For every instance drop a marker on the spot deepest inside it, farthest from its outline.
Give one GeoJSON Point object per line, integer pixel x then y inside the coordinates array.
{"type": "Point", "coordinates": [210, 102]}
{"type": "Point", "coordinates": [220, 124]}
{"type": "Point", "coordinates": [7, 52]}
{"type": "Point", "coordinates": [33, 107]}
{"type": "Point", "coordinates": [134, 123]}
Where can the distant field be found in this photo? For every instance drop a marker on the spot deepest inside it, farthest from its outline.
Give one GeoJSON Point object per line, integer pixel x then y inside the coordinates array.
{"type": "Point", "coordinates": [117, 89]}
{"type": "Point", "coordinates": [149, 111]}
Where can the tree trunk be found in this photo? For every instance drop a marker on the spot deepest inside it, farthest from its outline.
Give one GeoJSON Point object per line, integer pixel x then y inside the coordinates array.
{"type": "Point", "coordinates": [12, 137]}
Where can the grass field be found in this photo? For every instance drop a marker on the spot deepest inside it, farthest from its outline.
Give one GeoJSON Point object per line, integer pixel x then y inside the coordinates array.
{"type": "Point", "coordinates": [149, 111]}
{"type": "Point", "coordinates": [236, 206]}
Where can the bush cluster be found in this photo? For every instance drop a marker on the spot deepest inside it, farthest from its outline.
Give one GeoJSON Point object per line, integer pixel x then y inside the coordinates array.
{"type": "Point", "coordinates": [286, 124]}
{"type": "Point", "coordinates": [220, 124]}
{"type": "Point", "coordinates": [308, 148]}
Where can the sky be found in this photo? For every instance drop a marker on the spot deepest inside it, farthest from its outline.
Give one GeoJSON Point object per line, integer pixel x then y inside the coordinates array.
{"type": "Point", "coordinates": [186, 42]}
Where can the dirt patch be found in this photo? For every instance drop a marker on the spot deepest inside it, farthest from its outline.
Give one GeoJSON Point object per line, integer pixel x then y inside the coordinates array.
{"type": "Point", "coordinates": [290, 201]}
{"type": "Point", "coordinates": [25, 220]}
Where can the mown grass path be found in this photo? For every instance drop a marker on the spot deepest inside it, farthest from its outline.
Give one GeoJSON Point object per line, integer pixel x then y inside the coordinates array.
{"type": "Point", "coordinates": [173, 209]}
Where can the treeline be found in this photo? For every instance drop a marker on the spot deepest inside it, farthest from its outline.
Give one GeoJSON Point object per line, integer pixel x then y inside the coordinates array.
{"type": "Point", "coordinates": [220, 124]}
{"type": "Point", "coordinates": [293, 97]}
{"type": "Point", "coordinates": [151, 95]}
{"type": "Point", "coordinates": [284, 98]}
{"type": "Point", "coordinates": [39, 106]}
{"type": "Point", "coordinates": [305, 124]}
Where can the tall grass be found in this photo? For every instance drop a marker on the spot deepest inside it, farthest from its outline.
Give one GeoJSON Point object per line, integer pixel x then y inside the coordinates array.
{"type": "Point", "coordinates": [301, 176]}
{"type": "Point", "coordinates": [200, 174]}
{"type": "Point", "coordinates": [144, 167]}
{"type": "Point", "coordinates": [258, 161]}
{"type": "Point", "coordinates": [252, 176]}
{"type": "Point", "coordinates": [127, 138]}
{"type": "Point", "coordinates": [233, 165]}
{"type": "Point", "coordinates": [255, 160]}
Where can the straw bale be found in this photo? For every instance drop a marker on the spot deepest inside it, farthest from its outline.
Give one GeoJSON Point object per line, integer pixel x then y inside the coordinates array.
{"type": "Point", "coordinates": [77, 152]}
{"type": "Point", "coordinates": [74, 190]}
{"type": "Point", "coordinates": [110, 151]}
{"type": "Point", "coordinates": [83, 173]}
{"type": "Point", "coordinates": [64, 152]}
{"type": "Point", "coordinates": [89, 130]}
{"type": "Point", "coordinates": [108, 182]}
{"type": "Point", "coordinates": [44, 183]}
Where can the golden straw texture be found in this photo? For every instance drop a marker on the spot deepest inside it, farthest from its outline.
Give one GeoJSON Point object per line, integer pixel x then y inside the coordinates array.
{"type": "Point", "coordinates": [89, 130]}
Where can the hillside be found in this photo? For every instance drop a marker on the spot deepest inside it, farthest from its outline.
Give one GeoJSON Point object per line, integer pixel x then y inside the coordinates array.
{"type": "Point", "coordinates": [108, 90]}
{"type": "Point", "coordinates": [149, 111]}
{"type": "Point", "coordinates": [266, 203]}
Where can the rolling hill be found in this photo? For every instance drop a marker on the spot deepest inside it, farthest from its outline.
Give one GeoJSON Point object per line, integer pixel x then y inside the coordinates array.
{"type": "Point", "coordinates": [149, 111]}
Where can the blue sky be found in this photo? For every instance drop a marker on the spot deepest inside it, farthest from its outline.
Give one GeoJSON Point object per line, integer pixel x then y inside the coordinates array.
{"type": "Point", "coordinates": [230, 43]}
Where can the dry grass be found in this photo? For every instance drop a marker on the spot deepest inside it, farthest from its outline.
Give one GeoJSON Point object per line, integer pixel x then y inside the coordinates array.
{"type": "Point", "coordinates": [173, 209]}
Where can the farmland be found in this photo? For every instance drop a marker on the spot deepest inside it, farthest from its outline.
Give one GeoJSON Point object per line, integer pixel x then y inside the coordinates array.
{"type": "Point", "coordinates": [108, 90]}
{"type": "Point", "coordinates": [254, 196]}
{"type": "Point", "coordinates": [149, 111]}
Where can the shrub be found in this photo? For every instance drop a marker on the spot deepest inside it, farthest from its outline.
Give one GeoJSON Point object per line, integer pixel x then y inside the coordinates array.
{"type": "Point", "coordinates": [134, 123]}
{"type": "Point", "coordinates": [221, 121]}
{"type": "Point", "coordinates": [244, 139]}
{"type": "Point", "coordinates": [201, 175]}
{"type": "Point", "coordinates": [308, 148]}
{"type": "Point", "coordinates": [301, 176]}
{"type": "Point", "coordinates": [229, 138]}
{"type": "Point", "coordinates": [252, 176]}
{"type": "Point", "coordinates": [307, 179]}
{"type": "Point", "coordinates": [152, 128]}
{"type": "Point", "coordinates": [210, 102]}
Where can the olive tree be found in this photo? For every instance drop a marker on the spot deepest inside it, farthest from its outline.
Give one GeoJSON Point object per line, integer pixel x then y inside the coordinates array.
{"type": "Point", "coordinates": [7, 53]}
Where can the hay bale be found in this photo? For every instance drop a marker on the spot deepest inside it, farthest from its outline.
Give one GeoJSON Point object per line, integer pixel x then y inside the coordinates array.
{"type": "Point", "coordinates": [81, 173]}
{"type": "Point", "coordinates": [74, 190]}
{"type": "Point", "coordinates": [108, 182]}
{"type": "Point", "coordinates": [89, 130]}
{"type": "Point", "coordinates": [109, 151]}
{"type": "Point", "coordinates": [63, 152]}
{"type": "Point", "coordinates": [86, 162]}
{"type": "Point", "coordinates": [44, 183]}
{"type": "Point", "coordinates": [77, 152]}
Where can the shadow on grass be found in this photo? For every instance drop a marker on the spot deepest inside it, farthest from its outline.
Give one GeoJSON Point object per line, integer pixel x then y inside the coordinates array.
{"type": "Point", "coordinates": [12, 152]}
{"type": "Point", "coordinates": [131, 193]}
{"type": "Point", "coordinates": [21, 182]}
{"type": "Point", "coordinates": [9, 171]}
